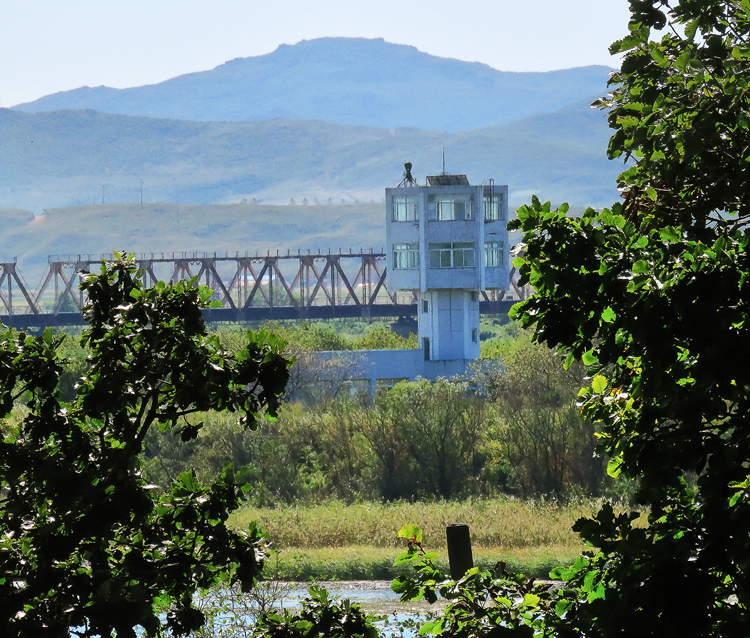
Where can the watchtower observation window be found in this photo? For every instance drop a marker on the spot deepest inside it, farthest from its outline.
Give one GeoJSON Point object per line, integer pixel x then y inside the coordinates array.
{"type": "Point", "coordinates": [445, 208]}
{"type": "Point", "coordinates": [493, 253]}
{"type": "Point", "coordinates": [452, 255]}
{"type": "Point", "coordinates": [405, 256]}
{"type": "Point", "coordinates": [404, 208]}
{"type": "Point", "coordinates": [493, 207]}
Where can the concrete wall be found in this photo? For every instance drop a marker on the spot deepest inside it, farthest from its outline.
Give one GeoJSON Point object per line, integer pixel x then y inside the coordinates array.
{"type": "Point", "coordinates": [385, 367]}
{"type": "Point", "coordinates": [451, 324]}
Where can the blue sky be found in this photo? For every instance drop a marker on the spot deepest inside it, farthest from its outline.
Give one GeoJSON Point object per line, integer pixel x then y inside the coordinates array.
{"type": "Point", "coordinates": [53, 45]}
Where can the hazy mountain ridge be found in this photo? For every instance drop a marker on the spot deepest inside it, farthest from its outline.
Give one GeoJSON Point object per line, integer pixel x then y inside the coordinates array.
{"type": "Point", "coordinates": [250, 228]}
{"type": "Point", "coordinates": [66, 158]}
{"type": "Point", "coordinates": [87, 156]}
{"type": "Point", "coordinates": [352, 81]}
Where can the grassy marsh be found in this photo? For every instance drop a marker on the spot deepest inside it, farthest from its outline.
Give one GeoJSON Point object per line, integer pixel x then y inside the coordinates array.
{"type": "Point", "coordinates": [359, 541]}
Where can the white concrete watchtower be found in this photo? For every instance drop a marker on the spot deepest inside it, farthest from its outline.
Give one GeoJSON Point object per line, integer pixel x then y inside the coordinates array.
{"type": "Point", "coordinates": [447, 242]}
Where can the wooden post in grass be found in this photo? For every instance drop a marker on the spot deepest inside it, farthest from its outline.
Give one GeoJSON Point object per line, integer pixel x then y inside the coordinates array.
{"type": "Point", "coordinates": [459, 549]}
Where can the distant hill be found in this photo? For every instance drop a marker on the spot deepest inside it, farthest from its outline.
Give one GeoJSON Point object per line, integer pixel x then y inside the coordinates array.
{"type": "Point", "coordinates": [94, 231]}
{"type": "Point", "coordinates": [351, 81]}
{"type": "Point", "coordinates": [323, 120]}
{"type": "Point", "coordinates": [70, 158]}
{"type": "Point", "coordinates": [157, 227]}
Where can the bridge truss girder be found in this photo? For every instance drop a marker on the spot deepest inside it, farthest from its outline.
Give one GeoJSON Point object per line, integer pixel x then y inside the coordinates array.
{"type": "Point", "coordinates": [299, 282]}
{"type": "Point", "coordinates": [249, 288]}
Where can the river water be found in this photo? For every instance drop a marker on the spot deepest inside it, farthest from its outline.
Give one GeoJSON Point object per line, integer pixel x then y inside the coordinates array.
{"type": "Point", "coordinates": [375, 597]}
{"type": "Point", "coordinates": [238, 611]}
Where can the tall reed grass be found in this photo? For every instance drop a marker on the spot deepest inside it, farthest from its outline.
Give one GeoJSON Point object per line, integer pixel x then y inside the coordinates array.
{"type": "Point", "coordinates": [360, 541]}
{"type": "Point", "coordinates": [505, 523]}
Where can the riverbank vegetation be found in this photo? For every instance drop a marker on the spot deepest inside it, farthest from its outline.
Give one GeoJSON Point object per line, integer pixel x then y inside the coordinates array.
{"type": "Point", "coordinates": [511, 428]}
{"type": "Point", "coordinates": [333, 482]}
{"type": "Point", "coordinates": [359, 541]}
{"type": "Point", "coordinates": [518, 434]}
{"type": "Point", "coordinates": [505, 451]}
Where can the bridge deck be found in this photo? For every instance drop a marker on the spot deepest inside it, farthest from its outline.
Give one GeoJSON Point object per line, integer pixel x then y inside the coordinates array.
{"type": "Point", "coordinates": [249, 288]}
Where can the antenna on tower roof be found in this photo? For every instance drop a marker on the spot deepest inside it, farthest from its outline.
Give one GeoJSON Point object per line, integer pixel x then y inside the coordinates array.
{"type": "Point", "coordinates": [443, 173]}
{"type": "Point", "coordinates": [408, 179]}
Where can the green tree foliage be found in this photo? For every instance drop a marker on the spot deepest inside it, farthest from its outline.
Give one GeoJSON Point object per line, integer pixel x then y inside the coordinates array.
{"type": "Point", "coordinates": [441, 428]}
{"type": "Point", "coordinates": [321, 615]}
{"type": "Point", "coordinates": [321, 454]}
{"type": "Point", "coordinates": [86, 546]}
{"type": "Point", "coordinates": [415, 440]}
{"type": "Point", "coordinates": [490, 603]}
{"type": "Point", "coordinates": [381, 338]}
{"type": "Point", "coordinates": [653, 294]}
{"type": "Point", "coordinates": [548, 445]}
{"type": "Point", "coordinates": [392, 466]}
{"type": "Point", "coordinates": [220, 441]}
{"type": "Point", "coordinates": [338, 335]}
{"type": "Point", "coordinates": [307, 454]}
{"type": "Point", "coordinates": [313, 337]}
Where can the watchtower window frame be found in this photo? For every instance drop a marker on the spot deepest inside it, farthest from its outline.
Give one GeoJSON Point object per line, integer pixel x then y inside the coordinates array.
{"type": "Point", "coordinates": [406, 256]}
{"type": "Point", "coordinates": [494, 209]}
{"type": "Point", "coordinates": [493, 254]}
{"type": "Point", "coordinates": [457, 254]}
{"type": "Point", "coordinates": [405, 208]}
{"type": "Point", "coordinates": [447, 208]}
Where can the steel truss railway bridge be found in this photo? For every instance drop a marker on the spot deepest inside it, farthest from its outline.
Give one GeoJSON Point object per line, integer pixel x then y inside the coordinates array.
{"type": "Point", "coordinates": [249, 288]}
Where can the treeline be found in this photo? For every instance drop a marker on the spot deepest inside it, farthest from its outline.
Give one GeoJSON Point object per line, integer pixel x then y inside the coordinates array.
{"type": "Point", "coordinates": [339, 334]}
{"type": "Point", "coordinates": [513, 428]}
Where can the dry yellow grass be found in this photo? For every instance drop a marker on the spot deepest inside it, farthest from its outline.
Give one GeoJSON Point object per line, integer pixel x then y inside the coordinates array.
{"type": "Point", "coordinates": [360, 541]}
{"type": "Point", "coordinates": [494, 523]}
